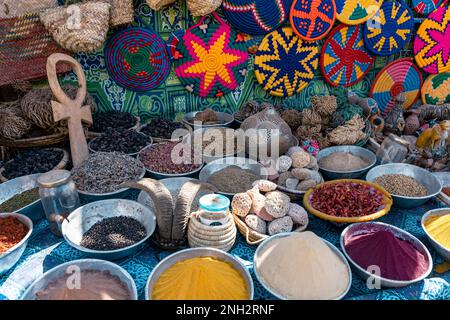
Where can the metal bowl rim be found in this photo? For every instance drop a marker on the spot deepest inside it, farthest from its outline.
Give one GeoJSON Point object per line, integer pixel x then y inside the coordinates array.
{"type": "Point", "coordinates": [427, 214]}
{"type": "Point", "coordinates": [128, 154]}
{"type": "Point", "coordinates": [373, 160]}
{"type": "Point", "coordinates": [227, 123]}
{"type": "Point", "coordinates": [27, 222]}
{"type": "Point", "coordinates": [36, 186]}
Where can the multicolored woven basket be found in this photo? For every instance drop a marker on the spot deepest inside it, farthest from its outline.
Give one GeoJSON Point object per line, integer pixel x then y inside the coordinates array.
{"type": "Point", "coordinates": [400, 76]}
{"type": "Point", "coordinates": [172, 44]}
{"type": "Point", "coordinates": [311, 19]}
{"type": "Point", "coordinates": [137, 59]}
{"type": "Point", "coordinates": [356, 11]}
{"type": "Point", "coordinates": [436, 89]}
{"type": "Point", "coordinates": [256, 17]}
{"type": "Point", "coordinates": [213, 59]}
{"type": "Point", "coordinates": [345, 60]}
{"type": "Point", "coordinates": [390, 29]}
{"type": "Point", "coordinates": [432, 42]}
{"type": "Point", "coordinates": [284, 63]}
{"type": "Point", "coordinates": [426, 6]}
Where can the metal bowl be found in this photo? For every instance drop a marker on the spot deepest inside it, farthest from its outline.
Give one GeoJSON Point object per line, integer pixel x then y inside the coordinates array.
{"type": "Point", "coordinates": [82, 219]}
{"type": "Point", "coordinates": [363, 153]}
{"type": "Point", "coordinates": [8, 189]}
{"type": "Point", "coordinates": [225, 120]}
{"type": "Point", "coordinates": [222, 163]}
{"type": "Point", "coordinates": [444, 178]}
{"type": "Point", "coordinates": [84, 264]}
{"type": "Point", "coordinates": [426, 178]}
{"type": "Point", "coordinates": [444, 252]}
{"type": "Point", "coordinates": [287, 234]}
{"type": "Point", "coordinates": [133, 154]}
{"type": "Point", "coordinates": [9, 258]}
{"type": "Point", "coordinates": [194, 253]}
{"type": "Point", "coordinates": [399, 233]}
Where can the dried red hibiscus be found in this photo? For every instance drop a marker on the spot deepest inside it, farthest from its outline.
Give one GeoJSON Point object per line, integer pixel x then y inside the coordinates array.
{"type": "Point", "coordinates": [347, 199]}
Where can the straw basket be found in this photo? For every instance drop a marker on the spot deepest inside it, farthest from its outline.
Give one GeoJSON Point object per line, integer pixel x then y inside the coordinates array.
{"type": "Point", "coordinates": [17, 8]}
{"type": "Point", "coordinates": [158, 4]}
{"type": "Point", "coordinates": [122, 12]}
{"type": "Point", "coordinates": [89, 35]}
{"type": "Point", "coordinates": [219, 237]}
{"type": "Point", "coordinates": [252, 237]}
{"type": "Point", "coordinates": [61, 165]}
{"type": "Point", "coordinates": [203, 7]}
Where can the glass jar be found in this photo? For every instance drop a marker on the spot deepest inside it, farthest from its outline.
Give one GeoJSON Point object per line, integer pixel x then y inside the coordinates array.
{"type": "Point", "coordinates": [59, 197]}
{"type": "Point", "coordinates": [214, 210]}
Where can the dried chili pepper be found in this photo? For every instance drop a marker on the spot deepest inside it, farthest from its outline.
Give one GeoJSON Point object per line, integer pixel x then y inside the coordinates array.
{"type": "Point", "coordinates": [12, 231]}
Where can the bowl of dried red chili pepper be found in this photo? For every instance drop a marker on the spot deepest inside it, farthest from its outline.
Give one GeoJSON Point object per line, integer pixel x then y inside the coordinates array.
{"type": "Point", "coordinates": [348, 201]}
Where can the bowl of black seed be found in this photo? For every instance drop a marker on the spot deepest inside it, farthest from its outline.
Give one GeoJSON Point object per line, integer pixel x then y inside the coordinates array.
{"type": "Point", "coordinates": [109, 229]}
{"type": "Point", "coordinates": [102, 121]}
{"type": "Point", "coordinates": [125, 141]}
{"type": "Point", "coordinates": [162, 130]}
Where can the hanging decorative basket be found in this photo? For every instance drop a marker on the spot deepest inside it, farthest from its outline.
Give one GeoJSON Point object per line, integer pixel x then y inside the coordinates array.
{"type": "Point", "coordinates": [122, 12]}
{"type": "Point", "coordinates": [202, 7]}
{"type": "Point", "coordinates": [390, 29]}
{"type": "Point", "coordinates": [158, 4]}
{"type": "Point", "coordinates": [256, 17]}
{"type": "Point", "coordinates": [400, 76]}
{"type": "Point", "coordinates": [311, 19]}
{"type": "Point", "coordinates": [17, 8]}
{"type": "Point", "coordinates": [212, 59]}
{"type": "Point", "coordinates": [432, 42]}
{"type": "Point", "coordinates": [354, 12]}
{"type": "Point", "coordinates": [172, 44]}
{"type": "Point", "coordinates": [137, 59]}
{"type": "Point", "coordinates": [426, 6]}
{"type": "Point", "coordinates": [345, 60]}
{"type": "Point", "coordinates": [436, 89]}
{"type": "Point", "coordinates": [284, 63]}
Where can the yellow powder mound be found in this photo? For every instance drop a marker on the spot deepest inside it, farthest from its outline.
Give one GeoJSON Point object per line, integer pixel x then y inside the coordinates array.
{"type": "Point", "coordinates": [302, 266]}
{"type": "Point", "coordinates": [203, 278]}
{"type": "Point", "coordinates": [439, 229]}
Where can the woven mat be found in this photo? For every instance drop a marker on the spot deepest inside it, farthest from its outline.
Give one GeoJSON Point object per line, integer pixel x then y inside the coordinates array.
{"type": "Point", "coordinates": [137, 59]}
{"type": "Point", "coordinates": [45, 251]}
{"type": "Point", "coordinates": [399, 76]}
{"type": "Point", "coordinates": [311, 19]}
{"type": "Point", "coordinates": [356, 11]}
{"type": "Point", "coordinates": [426, 6]}
{"type": "Point", "coordinates": [345, 60]}
{"type": "Point", "coordinates": [436, 89]}
{"type": "Point", "coordinates": [432, 42]}
{"type": "Point", "coordinates": [256, 17]}
{"type": "Point", "coordinates": [390, 29]}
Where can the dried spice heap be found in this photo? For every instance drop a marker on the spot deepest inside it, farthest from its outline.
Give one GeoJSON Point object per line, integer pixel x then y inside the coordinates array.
{"type": "Point", "coordinates": [251, 108]}
{"type": "Point", "coordinates": [20, 200]}
{"type": "Point", "coordinates": [161, 128]}
{"type": "Point", "coordinates": [12, 231]}
{"type": "Point", "coordinates": [112, 120]}
{"type": "Point", "coordinates": [401, 185]}
{"type": "Point", "coordinates": [343, 161]}
{"type": "Point", "coordinates": [233, 179]}
{"type": "Point", "coordinates": [120, 140]}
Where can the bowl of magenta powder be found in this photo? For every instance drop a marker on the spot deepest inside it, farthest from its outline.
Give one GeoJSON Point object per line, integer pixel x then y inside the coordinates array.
{"type": "Point", "coordinates": [390, 256]}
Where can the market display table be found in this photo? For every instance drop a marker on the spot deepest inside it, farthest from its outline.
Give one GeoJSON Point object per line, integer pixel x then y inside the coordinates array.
{"type": "Point", "coordinates": [45, 251]}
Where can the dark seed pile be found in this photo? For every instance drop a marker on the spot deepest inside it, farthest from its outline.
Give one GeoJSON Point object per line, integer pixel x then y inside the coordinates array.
{"type": "Point", "coordinates": [112, 119]}
{"type": "Point", "coordinates": [32, 161]}
{"type": "Point", "coordinates": [120, 140]}
{"type": "Point", "coordinates": [161, 128]}
{"type": "Point", "coordinates": [20, 200]}
{"type": "Point", "coordinates": [113, 233]}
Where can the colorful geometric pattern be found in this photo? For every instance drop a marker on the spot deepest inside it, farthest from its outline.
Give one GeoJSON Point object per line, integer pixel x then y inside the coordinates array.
{"type": "Point", "coordinates": [356, 11]}
{"type": "Point", "coordinates": [426, 6]}
{"type": "Point", "coordinates": [345, 60]}
{"type": "Point", "coordinates": [399, 76]}
{"type": "Point", "coordinates": [172, 44]}
{"type": "Point", "coordinates": [436, 89]}
{"type": "Point", "coordinates": [256, 17]}
{"type": "Point", "coordinates": [212, 59]}
{"type": "Point", "coordinates": [387, 32]}
{"type": "Point", "coordinates": [432, 42]}
{"type": "Point", "coordinates": [311, 19]}
{"type": "Point", "coordinates": [136, 59]}
{"type": "Point", "coordinates": [284, 63]}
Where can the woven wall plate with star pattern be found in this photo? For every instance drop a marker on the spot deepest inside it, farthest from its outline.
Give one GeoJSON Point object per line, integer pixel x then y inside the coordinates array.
{"type": "Point", "coordinates": [432, 42]}
{"type": "Point", "coordinates": [345, 60]}
{"type": "Point", "coordinates": [356, 11]}
{"type": "Point", "coordinates": [211, 59]}
{"type": "Point", "coordinates": [137, 59]}
{"type": "Point", "coordinates": [284, 63]}
{"type": "Point", "coordinates": [390, 29]}
{"type": "Point", "coordinates": [436, 89]}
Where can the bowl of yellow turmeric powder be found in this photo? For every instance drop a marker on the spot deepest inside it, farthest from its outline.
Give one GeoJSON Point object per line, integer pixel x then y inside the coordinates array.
{"type": "Point", "coordinates": [199, 274]}
{"type": "Point", "coordinates": [436, 225]}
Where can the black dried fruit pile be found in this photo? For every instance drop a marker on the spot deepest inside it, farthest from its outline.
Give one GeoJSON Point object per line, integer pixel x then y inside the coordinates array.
{"type": "Point", "coordinates": [161, 128]}
{"type": "Point", "coordinates": [112, 119]}
{"type": "Point", "coordinates": [32, 161]}
{"type": "Point", "coordinates": [120, 140]}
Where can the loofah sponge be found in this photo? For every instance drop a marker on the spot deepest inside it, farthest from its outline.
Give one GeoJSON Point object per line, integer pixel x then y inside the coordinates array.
{"type": "Point", "coordinates": [300, 159]}
{"type": "Point", "coordinates": [256, 223]}
{"type": "Point", "coordinates": [258, 203]}
{"type": "Point", "coordinates": [293, 149]}
{"type": "Point", "coordinates": [284, 163]}
{"type": "Point", "coordinates": [265, 185]}
{"type": "Point", "coordinates": [284, 177]}
{"type": "Point", "coordinates": [298, 214]}
{"type": "Point", "coordinates": [284, 224]}
{"type": "Point", "coordinates": [277, 204]}
{"type": "Point", "coordinates": [312, 162]}
{"type": "Point", "coordinates": [302, 173]}
{"type": "Point", "coordinates": [241, 204]}
{"type": "Point", "coordinates": [306, 185]}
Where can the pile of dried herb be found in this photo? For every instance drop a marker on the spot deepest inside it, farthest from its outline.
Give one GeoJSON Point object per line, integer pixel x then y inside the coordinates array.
{"type": "Point", "coordinates": [120, 140]}
{"type": "Point", "coordinates": [20, 200]}
{"type": "Point", "coordinates": [161, 128]}
{"type": "Point", "coordinates": [112, 120]}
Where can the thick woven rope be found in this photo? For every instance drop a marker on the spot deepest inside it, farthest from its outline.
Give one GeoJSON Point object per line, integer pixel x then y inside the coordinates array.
{"type": "Point", "coordinates": [345, 60]}
{"type": "Point", "coordinates": [212, 59]}
{"type": "Point", "coordinates": [436, 89]}
{"type": "Point", "coordinates": [432, 42]}
{"type": "Point", "coordinates": [311, 19]}
{"type": "Point", "coordinates": [399, 76]}
{"type": "Point", "coordinates": [256, 17]}
{"type": "Point", "coordinates": [137, 59]}
{"type": "Point", "coordinates": [284, 63]}
{"type": "Point", "coordinates": [387, 32]}
{"type": "Point", "coordinates": [356, 11]}
{"type": "Point", "coordinates": [426, 6]}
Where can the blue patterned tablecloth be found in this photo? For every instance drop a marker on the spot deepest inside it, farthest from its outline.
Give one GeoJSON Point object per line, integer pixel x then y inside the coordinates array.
{"type": "Point", "coordinates": [45, 251]}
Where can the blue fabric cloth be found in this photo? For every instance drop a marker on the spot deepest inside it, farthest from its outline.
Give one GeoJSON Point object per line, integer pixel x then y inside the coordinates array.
{"type": "Point", "coordinates": [45, 251]}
